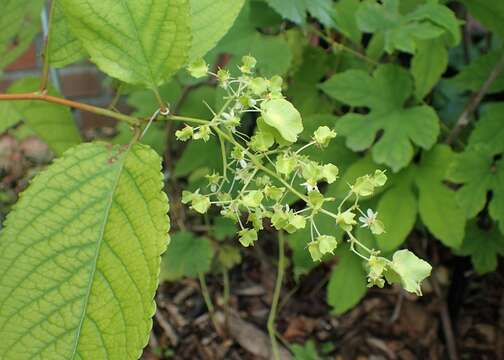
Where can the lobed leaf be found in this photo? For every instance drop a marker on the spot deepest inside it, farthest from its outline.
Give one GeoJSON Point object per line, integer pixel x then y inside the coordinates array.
{"type": "Point", "coordinates": [187, 256]}
{"type": "Point", "coordinates": [385, 93]}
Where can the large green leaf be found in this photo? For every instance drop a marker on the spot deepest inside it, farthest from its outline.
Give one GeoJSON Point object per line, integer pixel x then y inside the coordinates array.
{"type": "Point", "coordinates": [64, 47]}
{"type": "Point", "coordinates": [347, 284]}
{"type": "Point", "coordinates": [80, 255]}
{"type": "Point", "coordinates": [211, 19]}
{"type": "Point", "coordinates": [19, 23]}
{"type": "Point", "coordinates": [136, 41]}
{"type": "Point", "coordinates": [385, 94]}
{"type": "Point", "coordinates": [52, 123]}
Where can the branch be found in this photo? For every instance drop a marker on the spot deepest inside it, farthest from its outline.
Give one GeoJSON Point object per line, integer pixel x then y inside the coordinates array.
{"type": "Point", "coordinates": [72, 104]}
{"type": "Point", "coordinates": [45, 55]}
{"type": "Point", "coordinates": [474, 102]}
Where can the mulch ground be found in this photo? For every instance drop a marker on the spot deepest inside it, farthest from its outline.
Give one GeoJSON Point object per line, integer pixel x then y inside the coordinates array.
{"type": "Point", "coordinates": [459, 317]}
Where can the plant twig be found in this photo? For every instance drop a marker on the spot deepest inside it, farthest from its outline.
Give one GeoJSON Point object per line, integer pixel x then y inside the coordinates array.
{"type": "Point", "coordinates": [73, 104]}
{"type": "Point", "coordinates": [208, 301]}
{"type": "Point", "coordinates": [446, 321]}
{"type": "Point", "coordinates": [340, 46]}
{"type": "Point", "coordinates": [45, 55]}
{"type": "Point", "coordinates": [474, 102]}
{"type": "Point", "coordinates": [276, 295]}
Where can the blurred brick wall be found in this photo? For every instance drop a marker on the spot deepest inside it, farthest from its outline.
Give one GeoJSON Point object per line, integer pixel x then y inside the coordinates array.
{"type": "Point", "coordinates": [81, 82]}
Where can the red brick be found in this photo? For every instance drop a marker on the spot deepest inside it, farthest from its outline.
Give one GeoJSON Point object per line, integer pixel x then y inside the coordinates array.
{"type": "Point", "coordinates": [26, 61]}
{"type": "Point", "coordinates": [92, 121]}
{"type": "Point", "coordinates": [85, 84]}
{"type": "Point", "coordinates": [4, 84]}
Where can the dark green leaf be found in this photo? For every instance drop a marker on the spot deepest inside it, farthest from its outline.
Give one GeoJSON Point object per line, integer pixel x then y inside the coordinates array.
{"type": "Point", "coordinates": [186, 256]}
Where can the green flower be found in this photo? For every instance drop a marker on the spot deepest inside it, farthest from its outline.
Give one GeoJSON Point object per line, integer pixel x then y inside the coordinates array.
{"type": "Point", "coordinates": [203, 133]}
{"type": "Point", "coordinates": [184, 134]}
{"type": "Point", "coordinates": [248, 64]}
{"type": "Point", "coordinates": [258, 86]}
{"type": "Point", "coordinates": [199, 203]}
{"type": "Point", "coordinates": [285, 164]}
{"type": "Point", "coordinates": [315, 199]}
{"type": "Point", "coordinates": [252, 199]}
{"type": "Point", "coordinates": [323, 135]}
{"type": "Point", "coordinates": [408, 270]}
{"type": "Point", "coordinates": [327, 244]}
{"type": "Point", "coordinates": [273, 192]}
{"type": "Point", "coordinates": [198, 68]}
{"type": "Point", "coordinates": [377, 267]}
{"type": "Point", "coordinates": [223, 76]}
{"type": "Point", "coordinates": [247, 237]}
{"type": "Point", "coordinates": [346, 220]}
{"type": "Point", "coordinates": [313, 248]}
{"type": "Point", "coordinates": [330, 173]}
{"type": "Point", "coordinates": [370, 220]}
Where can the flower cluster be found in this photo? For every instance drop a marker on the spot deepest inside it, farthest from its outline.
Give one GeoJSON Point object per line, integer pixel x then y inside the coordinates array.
{"type": "Point", "coordinates": [269, 176]}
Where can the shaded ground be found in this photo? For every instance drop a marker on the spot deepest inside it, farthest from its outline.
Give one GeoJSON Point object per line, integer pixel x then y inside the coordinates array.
{"type": "Point", "coordinates": [387, 324]}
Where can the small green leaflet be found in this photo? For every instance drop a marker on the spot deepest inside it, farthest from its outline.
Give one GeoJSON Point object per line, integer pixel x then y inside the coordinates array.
{"type": "Point", "coordinates": [307, 351]}
{"type": "Point", "coordinates": [397, 208]}
{"type": "Point", "coordinates": [483, 246]}
{"type": "Point", "coordinates": [64, 47]}
{"type": "Point", "coordinates": [437, 205]}
{"type": "Point", "coordinates": [296, 10]}
{"type": "Point", "coordinates": [52, 123]}
{"type": "Point", "coordinates": [20, 22]}
{"type": "Point", "coordinates": [136, 41]}
{"type": "Point", "coordinates": [428, 64]}
{"type": "Point", "coordinates": [401, 32]}
{"type": "Point", "coordinates": [187, 256]}
{"type": "Point", "coordinates": [211, 19]}
{"type": "Point", "coordinates": [385, 93]}
{"type": "Point", "coordinates": [80, 256]}
{"type": "Point", "coordinates": [473, 76]}
{"type": "Point", "coordinates": [489, 130]}
{"type": "Point", "coordinates": [345, 20]}
{"type": "Point", "coordinates": [348, 282]}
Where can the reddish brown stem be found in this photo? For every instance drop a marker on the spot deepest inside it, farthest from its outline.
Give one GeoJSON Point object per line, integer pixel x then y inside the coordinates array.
{"type": "Point", "coordinates": [73, 104]}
